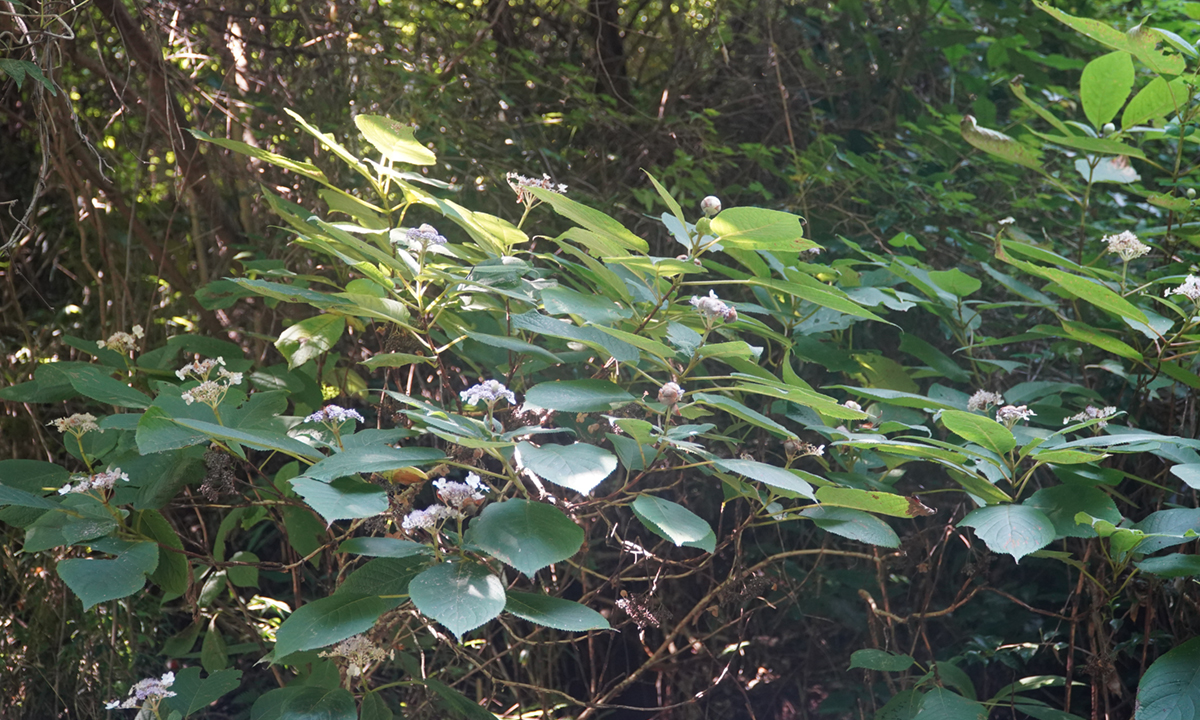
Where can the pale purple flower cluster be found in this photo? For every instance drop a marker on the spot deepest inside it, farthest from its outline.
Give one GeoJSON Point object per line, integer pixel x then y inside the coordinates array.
{"type": "Point", "coordinates": [982, 400]}
{"type": "Point", "coordinates": [421, 238]}
{"type": "Point", "coordinates": [123, 342]}
{"type": "Point", "coordinates": [1012, 414]}
{"type": "Point", "coordinates": [100, 481]}
{"type": "Point", "coordinates": [1189, 288]}
{"type": "Point", "coordinates": [335, 414]}
{"type": "Point", "coordinates": [489, 392]}
{"type": "Point", "coordinates": [77, 424]}
{"type": "Point", "coordinates": [670, 393]}
{"type": "Point", "coordinates": [461, 495]}
{"type": "Point", "coordinates": [1125, 244]}
{"type": "Point", "coordinates": [1093, 413]}
{"type": "Point", "coordinates": [429, 517]}
{"type": "Point", "coordinates": [148, 689]}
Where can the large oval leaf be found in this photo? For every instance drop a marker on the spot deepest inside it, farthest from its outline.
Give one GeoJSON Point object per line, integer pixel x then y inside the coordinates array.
{"type": "Point", "coordinates": [580, 467]}
{"type": "Point", "coordinates": [460, 595]}
{"type": "Point", "coordinates": [343, 499]}
{"type": "Point", "coordinates": [578, 396]}
{"type": "Point", "coordinates": [1170, 689]}
{"type": "Point", "coordinates": [95, 581]}
{"type": "Point", "coordinates": [394, 141]}
{"type": "Point", "coordinates": [554, 612]}
{"type": "Point", "coordinates": [853, 524]}
{"type": "Point", "coordinates": [526, 535]}
{"type": "Point", "coordinates": [674, 522]}
{"type": "Point", "coordinates": [776, 477]}
{"type": "Point", "coordinates": [326, 621]}
{"type": "Point", "coordinates": [980, 430]}
{"type": "Point", "coordinates": [1015, 530]}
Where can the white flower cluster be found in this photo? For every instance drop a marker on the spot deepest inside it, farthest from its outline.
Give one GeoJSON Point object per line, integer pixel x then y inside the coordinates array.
{"type": "Point", "coordinates": [520, 185]}
{"type": "Point", "coordinates": [77, 424]}
{"type": "Point", "coordinates": [982, 400]}
{"type": "Point", "coordinates": [1093, 413]}
{"type": "Point", "coordinates": [711, 307]}
{"type": "Point", "coordinates": [208, 392]}
{"type": "Point", "coordinates": [670, 393]}
{"type": "Point", "coordinates": [123, 342]}
{"type": "Point", "coordinates": [489, 392]}
{"type": "Point", "coordinates": [1189, 288]}
{"type": "Point", "coordinates": [422, 238]}
{"type": "Point", "coordinates": [461, 495]}
{"type": "Point", "coordinates": [1010, 220]}
{"type": "Point", "coordinates": [850, 404]}
{"type": "Point", "coordinates": [1012, 414]}
{"type": "Point", "coordinates": [359, 652]}
{"type": "Point", "coordinates": [148, 689]}
{"type": "Point", "coordinates": [429, 517]}
{"type": "Point", "coordinates": [335, 414]}
{"type": "Point", "coordinates": [1125, 244]}
{"type": "Point", "coordinates": [100, 481]}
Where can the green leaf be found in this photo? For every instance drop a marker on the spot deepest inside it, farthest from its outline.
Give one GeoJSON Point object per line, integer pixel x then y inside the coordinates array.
{"type": "Point", "coordinates": [982, 431]}
{"type": "Point", "coordinates": [776, 477]}
{"type": "Point", "coordinates": [653, 347]}
{"type": "Point", "coordinates": [1140, 41]}
{"type": "Point", "coordinates": [1088, 334]}
{"type": "Point", "coordinates": [904, 705]}
{"type": "Point", "coordinates": [750, 228]}
{"type": "Point", "coordinates": [456, 703]}
{"type": "Point", "coordinates": [873, 501]}
{"type": "Point", "coordinates": [300, 168]}
{"type": "Point", "coordinates": [342, 499]}
{"type": "Point", "coordinates": [95, 581]}
{"type": "Point", "coordinates": [898, 398]}
{"type": "Point", "coordinates": [1062, 503]}
{"type": "Point", "coordinates": [955, 281]}
{"type": "Point", "coordinates": [1158, 100]}
{"type": "Point", "coordinates": [674, 522]}
{"type": "Point", "coordinates": [1085, 289]}
{"type": "Point", "coordinates": [310, 338]}
{"type": "Point", "coordinates": [258, 439]}
{"type": "Point", "coordinates": [193, 694]}
{"type": "Point", "coordinates": [326, 621]}
{"type": "Point", "coordinates": [516, 345]}
{"type": "Point", "coordinates": [93, 381]}
{"type": "Point", "coordinates": [1105, 85]}
{"type": "Point", "coordinates": [1015, 530]}
{"type": "Point", "coordinates": [735, 408]}
{"type": "Point", "coordinates": [578, 396]}
{"type": "Point", "coordinates": [387, 360]}
{"type": "Point", "coordinates": [1189, 473]}
{"type": "Point", "coordinates": [372, 459]}
{"type": "Point", "coordinates": [1067, 457]}
{"type": "Point", "coordinates": [383, 547]}
{"type": "Point", "coordinates": [460, 595]}
{"type": "Point", "coordinates": [942, 704]}
{"type": "Point", "coordinates": [171, 574]}
{"type": "Point", "coordinates": [20, 498]}
{"type": "Point", "coordinates": [214, 654]}
{"type": "Point", "coordinates": [559, 300]}
{"type": "Point", "coordinates": [882, 660]}
{"type": "Point", "coordinates": [554, 612]}
{"type": "Point", "coordinates": [853, 524]}
{"type": "Point", "coordinates": [998, 144]}
{"type": "Point", "coordinates": [314, 703]}
{"type": "Point", "coordinates": [536, 322]}
{"type": "Point", "coordinates": [1172, 566]}
{"type": "Point", "coordinates": [393, 140]}
{"type": "Point", "coordinates": [1170, 689]}
{"type": "Point", "coordinates": [374, 707]}
{"type": "Point", "coordinates": [387, 577]}
{"type": "Point", "coordinates": [527, 535]}
{"type": "Point", "coordinates": [1173, 524]}
{"type": "Point", "coordinates": [602, 225]}
{"type": "Point", "coordinates": [580, 466]}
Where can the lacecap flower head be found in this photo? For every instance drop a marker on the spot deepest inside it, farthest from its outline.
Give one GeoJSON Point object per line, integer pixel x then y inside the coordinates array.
{"type": "Point", "coordinates": [489, 392]}
{"type": "Point", "coordinates": [1125, 244]}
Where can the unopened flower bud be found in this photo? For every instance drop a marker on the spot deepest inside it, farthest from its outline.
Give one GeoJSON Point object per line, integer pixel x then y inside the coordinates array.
{"type": "Point", "coordinates": [703, 227]}
{"type": "Point", "coordinates": [1108, 129]}
{"type": "Point", "coordinates": [1191, 193]}
{"type": "Point", "coordinates": [711, 205]}
{"type": "Point", "coordinates": [670, 393]}
{"type": "Point", "coordinates": [792, 446]}
{"type": "Point", "coordinates": [730, 315]}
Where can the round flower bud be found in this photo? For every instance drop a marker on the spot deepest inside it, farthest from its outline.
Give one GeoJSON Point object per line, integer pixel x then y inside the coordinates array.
{"type": "Point", "coordinates": [1191, 193]}
{"type": "Point", "coordinates": [703, 227]}
{"type": "Point", "coordinates": [730, 315]}
{"type": "Point", "coordinates": [791, 446]}
{"type": "Point", "coordinates": [711, 205]}
{"type": "Point", "coordinates": [670, 393]}
{"type": "Point", "coordinates": [1108, 129]}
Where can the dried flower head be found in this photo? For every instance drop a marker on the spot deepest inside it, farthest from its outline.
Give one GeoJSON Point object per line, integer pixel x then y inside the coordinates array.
{"type": "Point", "coordinates": [1012, 414]}
{"type": "Point", "coordinates": [489, 392]}
{"type": "Point", "coordinates": [123, 342]}
{"type": "Point", "coordinates": [76, 424]}
{"type": "Point", "coordinates": [521, 184]}
{"type": "Point", "coordinates": [670, 393]}
{"type": "Point", "coordinates": [1093, 413]}
{"type": "Point", "coordinates": [795, 448]}
{"type": "Point", "coordinates": [1125, 244]}
{"type": "Point", "coordinates": [148, 690]}
{"type": "Point", "coordinates": [422, 238]}
{"type": "Point", "coordinates": [982, 400]}
{"type": "Point", "coordinates": [710, 205]}
{"type": "Point", "coordinates": [359, 652]}
{"type": "Point", "coordinates": [1189, 288]}
{"type": "Point", "coordinates": [334, 414]}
